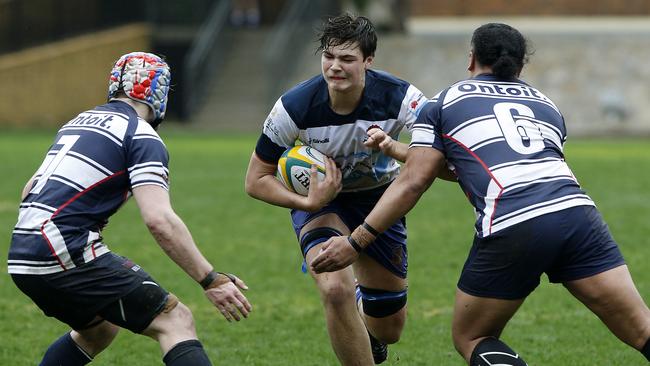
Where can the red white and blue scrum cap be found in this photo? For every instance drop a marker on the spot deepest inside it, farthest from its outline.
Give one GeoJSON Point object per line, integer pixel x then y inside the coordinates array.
{"type": "Point", "coordinates": [143, 77]}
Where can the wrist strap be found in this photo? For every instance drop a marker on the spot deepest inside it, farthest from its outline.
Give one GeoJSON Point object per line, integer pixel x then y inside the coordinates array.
{"type": "Point", "coordinates": [208, 279]}
{"type": "Point", "coordinates": [354, 244]}
{"type": "Point", "coordinates": [212, 276]}
{"type": "Point", "coordinates": [370, 229]}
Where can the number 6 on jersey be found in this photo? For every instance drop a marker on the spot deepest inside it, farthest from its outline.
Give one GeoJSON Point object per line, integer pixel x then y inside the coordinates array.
{"type": "Point", "coordinates": [522, 135]}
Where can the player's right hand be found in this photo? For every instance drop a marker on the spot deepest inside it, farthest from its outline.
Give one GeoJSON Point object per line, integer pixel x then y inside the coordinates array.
{"type": "Point", "coordinates": [322, 192]}
{"type": "Point", "coordinates": [379, 140]}
{"type": "Point", "coordinates": [228, 298]}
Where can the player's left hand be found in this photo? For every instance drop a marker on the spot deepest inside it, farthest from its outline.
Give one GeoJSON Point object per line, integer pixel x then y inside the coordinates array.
{"type": "Point", "coordinates": [226, 296]}
{"type": "Point", "coordinates": [322, 192]}
{"type": "Point", "coordinates": [335, 254]}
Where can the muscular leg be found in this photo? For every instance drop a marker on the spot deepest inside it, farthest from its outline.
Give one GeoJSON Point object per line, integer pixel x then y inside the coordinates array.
{"type": "Point", "coordinates": [371, 274]}
{"type": "Point", "coordinates": [612, 296]}
{"type": "Point", "coordinates": [174, 330]}
{"type": "Point", "coordinates": [477, 318]}
{"type": "Point", "coordinates": [346, 329]}
{"type": "Point", "coordinates": [95, 339]}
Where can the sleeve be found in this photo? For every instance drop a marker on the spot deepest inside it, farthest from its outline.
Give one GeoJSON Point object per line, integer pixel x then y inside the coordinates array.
{"type": "Point", "coordinates": [279, 133]}
{"type": "Point", "coordinates": [413, 102]}
{"type": "Point", "coordinates": [147, 158]}
{"type": "Point", "coordinates": [426, 131]}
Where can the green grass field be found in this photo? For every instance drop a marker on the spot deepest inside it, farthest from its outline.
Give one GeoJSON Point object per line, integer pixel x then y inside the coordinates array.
{"type": "Point", "coordinates": [255, 241]}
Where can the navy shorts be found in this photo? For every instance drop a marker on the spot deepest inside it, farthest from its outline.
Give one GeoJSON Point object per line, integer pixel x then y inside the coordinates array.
{"type": "Point", "coordinates": [389, 249]}
{"type": "Point", "coordinates": [566, 245]}
{"type": "Point", "coordinates": [110, 286]}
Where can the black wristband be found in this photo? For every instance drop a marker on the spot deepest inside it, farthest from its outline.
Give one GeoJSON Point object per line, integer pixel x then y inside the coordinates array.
{"type": "Point", "coordinates": [370, 229]}
{"type": "Point", "coordinates": [354, 244]}
{"type": "Point", "coordinates": [209, 278]}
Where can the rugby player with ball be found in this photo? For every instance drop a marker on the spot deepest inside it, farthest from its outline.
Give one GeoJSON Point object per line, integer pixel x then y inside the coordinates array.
{"type": "Point", "coordinates": [353, 115]}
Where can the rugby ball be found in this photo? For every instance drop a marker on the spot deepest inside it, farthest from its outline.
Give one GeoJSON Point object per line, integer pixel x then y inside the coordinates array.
{"type": "Point", "coordinates": [294, 167]}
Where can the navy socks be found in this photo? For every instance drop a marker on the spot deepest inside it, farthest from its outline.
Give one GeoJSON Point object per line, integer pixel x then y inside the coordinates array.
{"type": "Point", "coordinates": [187, 353]}
{"type": "Point", "coordinates": [64, 351]}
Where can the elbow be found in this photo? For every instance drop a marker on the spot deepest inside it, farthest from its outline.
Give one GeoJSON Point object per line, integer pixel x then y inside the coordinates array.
{"type": "Point", "coordinates": [158, 224]}
{"type": "Point", "coordinates": [249, 188]}
{"type": "Point", "coordinates": [415, 190]}
{"type": "Point", "coordinates": [252, 189]}
{"type": "Point", "coordinates": [418, 185]}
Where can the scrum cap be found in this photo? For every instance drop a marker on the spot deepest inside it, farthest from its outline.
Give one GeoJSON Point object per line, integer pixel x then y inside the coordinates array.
{"type": "Point", "coordinates": [143, 77]}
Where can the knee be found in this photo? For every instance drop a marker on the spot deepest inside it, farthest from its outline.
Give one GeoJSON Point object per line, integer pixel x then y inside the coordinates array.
{"type": "Point", "coordinates": [643, 337]}
{"type": "Point", "coordinates": [463, 344]}
{"type": "Point", "coordinates": [177, 322]}
{"type": "Point", "coordinates": [95, 339]}
{"type": "Point", "coordinates": [172, 326]}
{"type": "Point", "coordinates": [336, 294]}
{"type": "Point", "coordinates": [181, 317]}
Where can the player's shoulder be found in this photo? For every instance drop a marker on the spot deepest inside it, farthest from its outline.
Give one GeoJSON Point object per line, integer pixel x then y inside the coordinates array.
{"type": "Point", "coordinates": [308, 94]}
{"type": "Point", "coordinates": [137, 127]}
{"type": "Point", "coordinates": [143, 128]}
{"type": "Point", "coordinates": [111, 120]}
{"type": "Point", "coordinates": [381, 85]}
{"type": "Point", "coordinates": [304, 92]}
{"type": "Point", "coordinates": [386, 79]}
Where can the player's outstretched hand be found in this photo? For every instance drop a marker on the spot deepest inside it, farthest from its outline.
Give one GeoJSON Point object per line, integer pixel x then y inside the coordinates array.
{"type": "Point", "coordinates": [379, 140]}
{"type": "Point", "coordinates": [335, 254]}
{"type": "Point", "coordinates": [322, 192]}
{"type": "Point", "coordinates": [227, 297]}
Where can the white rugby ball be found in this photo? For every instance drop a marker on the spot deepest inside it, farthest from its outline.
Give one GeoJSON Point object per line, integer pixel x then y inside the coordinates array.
{"type": "Point", "coordinates": [294, 167]}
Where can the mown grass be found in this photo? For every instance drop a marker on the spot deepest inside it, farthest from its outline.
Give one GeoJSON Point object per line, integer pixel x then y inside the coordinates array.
{"type": "Point", "coordinates": [255, 241]}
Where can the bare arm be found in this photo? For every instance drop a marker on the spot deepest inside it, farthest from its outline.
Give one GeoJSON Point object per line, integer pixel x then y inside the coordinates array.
{"type": "Point", "coordinates": [175, 239]}
{"type": "Point", "coordinates": [262, 184]}
{"type": "Point", "coordinates": [379, 140]}
{"type": "Point", "coordinates": [421, 168]}
{"type": "Point", "coordinates": [170, 231]}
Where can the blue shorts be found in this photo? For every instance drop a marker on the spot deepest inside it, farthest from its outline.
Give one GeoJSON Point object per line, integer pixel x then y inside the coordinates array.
{"type": "Point", "coordinates": [566, 245]}
{"type": "Point", "coordinates": [389, 249]}
{"type": "Point", "coordinates": [110, 286]}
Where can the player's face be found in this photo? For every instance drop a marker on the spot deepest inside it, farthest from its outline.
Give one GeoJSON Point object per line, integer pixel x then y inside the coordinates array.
{"type": "Point", "coordinates": [344, 67]}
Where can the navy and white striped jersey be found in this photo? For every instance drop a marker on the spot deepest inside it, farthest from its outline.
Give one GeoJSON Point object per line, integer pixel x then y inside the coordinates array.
{"type": "Point", "coordinates": [504, 140]}
{"type": "Point", "coordinates": [303, 113]}
{"type": "Point", "coordinates": [88, 173]}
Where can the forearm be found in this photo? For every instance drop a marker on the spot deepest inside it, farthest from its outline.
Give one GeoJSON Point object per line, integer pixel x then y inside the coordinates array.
{"type": "Point", "coordinates": [339, 252]}
{"type": "Point", "coordinates": [262, 184]}
{"type": "Point", "coordinates": [421, 168]}
{"type": "Point", "coordinates": [394, 205]}
{"type": "Point", "coordinates": [175, 239]}
{"type": "Point", "coordinates": [398, 151]}
{"type": "Point", "coordinates": [270, 190]}
{"type": "Point", "coordinates": [396, 202]}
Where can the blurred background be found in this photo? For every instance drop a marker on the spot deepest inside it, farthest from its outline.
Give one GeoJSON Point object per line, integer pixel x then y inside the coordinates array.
{"type": "Point", "coordinates": [231, 59]}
